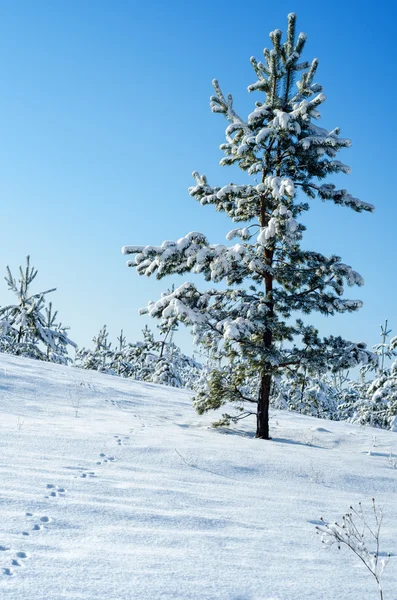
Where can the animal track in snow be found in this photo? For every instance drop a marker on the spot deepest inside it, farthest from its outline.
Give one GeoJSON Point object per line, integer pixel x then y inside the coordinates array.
{"type": "Point", "coordinates": [55, 491]}
{"type": "Point", "coordinates": [106, 459]}
{"type": "Point", "coordinates": [44, 520]}
{"type": "Point", "coordinates": [88, 474]}
{"type": "Point", "coordinates": [15, 562]}
{"type": "Point", "coordinates": [119, 439]}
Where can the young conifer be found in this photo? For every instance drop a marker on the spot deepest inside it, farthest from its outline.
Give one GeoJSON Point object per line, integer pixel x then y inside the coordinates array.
{"type": "Point", "coordinates": [268, 275]}
{"type": "Point", "coordinates": [31, 326]}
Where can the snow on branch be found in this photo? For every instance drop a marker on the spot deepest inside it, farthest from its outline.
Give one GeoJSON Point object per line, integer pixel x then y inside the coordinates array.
{"type": "Point", "coordinates": [193, 253]}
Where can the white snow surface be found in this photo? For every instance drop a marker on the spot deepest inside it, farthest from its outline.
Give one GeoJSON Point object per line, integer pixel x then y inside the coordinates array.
{"type": "Point", "coordinates": [137, 498]}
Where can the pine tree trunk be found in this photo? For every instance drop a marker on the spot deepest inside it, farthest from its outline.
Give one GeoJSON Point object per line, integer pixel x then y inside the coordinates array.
{"type": "Point", "coordinates": [262, 415]}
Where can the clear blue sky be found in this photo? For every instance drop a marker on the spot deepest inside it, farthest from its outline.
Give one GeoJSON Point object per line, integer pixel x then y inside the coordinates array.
{"type": "Point", "coordinates": [104, 115]}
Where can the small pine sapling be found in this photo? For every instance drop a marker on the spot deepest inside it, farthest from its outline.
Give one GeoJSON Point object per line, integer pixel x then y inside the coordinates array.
{"type": "Point", "coordinates": [57, 338]}
{"type": "Point", "coordinates": [118, 363]}
{"type": "Point", "coordinates": [29, 324]}
{"type": "Point", "coordinates": [377, 405]}
{"type": "Point", "coordinates": [100, 358]}
{"type": "Point", "coordinates": [384, 350]}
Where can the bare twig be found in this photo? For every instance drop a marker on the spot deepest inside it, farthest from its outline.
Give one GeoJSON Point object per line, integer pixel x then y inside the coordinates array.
{"type": "Point", "coordinates": [352, 532]}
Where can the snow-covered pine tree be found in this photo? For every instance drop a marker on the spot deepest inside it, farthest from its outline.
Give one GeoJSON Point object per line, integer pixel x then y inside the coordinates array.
{"type": "Point", "coordinates": [307, 395]}
{"type": "Point", "coordinates": [165, 372]}
{"type": "Point", "coordinates": [31, 326]}
{"type": "Point", "coordinates": [118, 363]}
{"type": "Point", "coordinates": [57, 347]}
{"type": "Point", "coordinates": [269, 276]}
{"type": "Point", "coordinates": [385, 349]}
{"type": "Point", "coordinates": [143, 356]}
{"type": "Point", "coordinates": [167, 328]}
{"type": "Point", "coordinates": [26, 317]}
{"type": "Point", "coordinates": [8, 335]}
{"type": "Point", "coordinates": [100, 358]}
{"type": "Point", "coordinates": [378, 405]}
{"type": "Point", "coordinates": [187, 368]}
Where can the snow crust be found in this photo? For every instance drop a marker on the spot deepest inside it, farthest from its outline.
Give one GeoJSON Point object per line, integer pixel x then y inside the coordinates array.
{"type": "Point", "coordinates": [136, 498]}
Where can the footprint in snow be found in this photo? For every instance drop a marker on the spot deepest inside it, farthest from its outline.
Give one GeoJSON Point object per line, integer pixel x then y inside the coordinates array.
{"type": "Point", "coordinates": [14, 561]}
{"type": "Point", "coordinates": [55, 491]}
{"type": "Point", "coordinates": [106, 459]}
{"type": "Point", "coordinates": [119, 439]}
{"type": "Point", "coordinates": [19, 563]}
{"type": "Point", "coordinates": [4, 548]}
{"type": "Point", "coordinates": [45, 519]}
{"type": "Point", "coordinates": [42, 521]}
{"type": "Point", "coordinates": [88, 474]}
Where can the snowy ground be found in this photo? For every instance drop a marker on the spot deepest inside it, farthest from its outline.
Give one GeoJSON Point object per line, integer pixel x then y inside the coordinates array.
{"type": "Point", "coordinates": [136, 498]}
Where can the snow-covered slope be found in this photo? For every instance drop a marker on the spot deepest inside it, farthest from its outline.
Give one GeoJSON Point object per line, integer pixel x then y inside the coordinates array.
{"type": "Point", "coordinates": [137, 498]}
